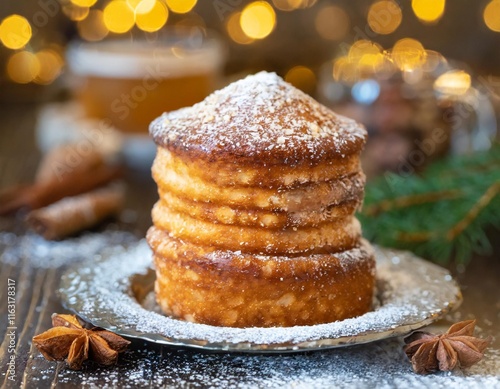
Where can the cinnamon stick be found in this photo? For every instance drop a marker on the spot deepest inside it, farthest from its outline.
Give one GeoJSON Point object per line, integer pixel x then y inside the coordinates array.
{"type": "Point", "coordinates": [73, 214]}
{"type": "Point", "coordinates": [44, 193]}
{"type": "Point", "coordinates": [12, 193]}
{"type": "Point", "coordinates": [66, 160]}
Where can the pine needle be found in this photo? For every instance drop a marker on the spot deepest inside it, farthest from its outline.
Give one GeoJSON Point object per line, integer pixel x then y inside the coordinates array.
{"type": "Point", "coordinates": [441, 214]}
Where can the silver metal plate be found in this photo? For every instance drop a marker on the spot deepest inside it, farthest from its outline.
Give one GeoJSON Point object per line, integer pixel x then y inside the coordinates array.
{"type": "Point", "coordinates": [116, 293]}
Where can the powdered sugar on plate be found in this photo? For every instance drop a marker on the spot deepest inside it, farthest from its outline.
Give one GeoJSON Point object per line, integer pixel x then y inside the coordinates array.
{"type": "Point", "coordinates": [411, 293]}
{"type": "Point", "coordinates": [47, 254]}
{"type": "Point", "coordinates": [381, 364]}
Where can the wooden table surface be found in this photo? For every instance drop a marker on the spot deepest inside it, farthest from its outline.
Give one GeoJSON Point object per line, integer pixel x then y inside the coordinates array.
{"type": "Point", "coordinates": [151, 365]}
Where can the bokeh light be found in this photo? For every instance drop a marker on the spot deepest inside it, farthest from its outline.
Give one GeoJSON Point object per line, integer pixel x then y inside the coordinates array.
{"type": "Point", "coordinates": [141, 6]}
{"type": "Point", "coordinates": [344, 70]}
{"type": "Point", "coordinates": [366, 57]}
{"type": "Point", "coordinates": [152, 20]}
{"type": "Point", "coordinates": [454, 82]}
{"type": "Point", "coordinates": [408, 54]}
{"type": "Point", "coordinates": [181, 6]}
{"type": "Point", "coordinates": [50, 66]}
{"type": "Point", "coordinates": [365, 91]}
{"type": "Point", "coordinates": [234, 30]}
{"type": "Point", "coordinates": [363, 47]}
{"type": "Point", "coordinates": [371, 62]}
{"type": "Point", "coordinates": [332, 22]}
{"type": "Point", "coordinates": [491, 15]}
{"type": "Point", "coordinates": [23, 67]}
{"type": "Point", "coordinates": [15, 32]}
{"type": "Point", "coordinates": [92, 28]}
{"type": "Point", "coordinates": [118, 16]}
{"type": "Point", "coordinates": [134, 3]}
{"type": "Point", "coordinates": [258, 19]}
{"type": "Point", "coordinates": [84, 3]}
{"type": "Point", "coordinates": [303, 78]}
{"type": "Point", "coordinates": [428, 11]}
{"type": "Point", "coordinates": [433, 60]}
{"type": "Point", "coordinates": [384, 16]}
{"type": "Point", "coordinates": [287, 5]}
{"type": "Point", "coordinates": [75, 12]}
{"type": "Point", "coordinates": [413, 76]}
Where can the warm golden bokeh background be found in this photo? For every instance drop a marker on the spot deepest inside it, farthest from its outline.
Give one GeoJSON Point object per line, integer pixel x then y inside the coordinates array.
{"type": "Point", "coordinates": [292, 37]}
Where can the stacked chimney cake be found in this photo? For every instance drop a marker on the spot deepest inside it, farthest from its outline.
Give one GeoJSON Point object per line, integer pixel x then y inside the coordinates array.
{"type": "Point", "coordinates": [255, 224]}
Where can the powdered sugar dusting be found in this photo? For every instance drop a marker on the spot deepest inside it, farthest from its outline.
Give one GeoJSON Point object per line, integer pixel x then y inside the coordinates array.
{"type": "Point", "coordinates": [259, 116]}
{"type": "Point", "coordinates": [380, 364]}
{"type": "Point", "coordinates": [42, 253]}
{"type": "Point", "coordinates": [347, 258]}
{"type": "Point", "coordinates": [411, 293]}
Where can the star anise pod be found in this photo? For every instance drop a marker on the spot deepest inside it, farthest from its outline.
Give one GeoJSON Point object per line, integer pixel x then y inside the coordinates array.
{"type": "Point", "coordinates": [69, 340]}
{"type": "Point", "coordinates": [455, 348]}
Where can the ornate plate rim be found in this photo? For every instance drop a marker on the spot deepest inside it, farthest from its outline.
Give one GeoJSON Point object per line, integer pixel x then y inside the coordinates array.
{"type": "Point", "coordinates": [70, 301]}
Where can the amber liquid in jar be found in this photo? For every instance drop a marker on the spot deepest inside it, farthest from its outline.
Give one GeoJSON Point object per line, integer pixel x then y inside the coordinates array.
{"type": "Point", "coordinates": [131, 104]}
{"type": "Point", "coordinates": [131, 83]}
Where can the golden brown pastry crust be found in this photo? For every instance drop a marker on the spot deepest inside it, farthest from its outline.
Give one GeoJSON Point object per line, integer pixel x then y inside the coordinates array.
{"type": "Point", "coordinates": [306, 197]}
{"type": "Point", "coordinates": [227, 288]}
{"type": "Point", "coordinates": [258, 185]}
{"type": "Point", "coordinates": [334, 236]}
{"type": "Point", "coordinates": [259, 121]}
{"type": "Point", "coordinates": [222, 173]}
{"type": "Point", "coordinates": [254, 217]}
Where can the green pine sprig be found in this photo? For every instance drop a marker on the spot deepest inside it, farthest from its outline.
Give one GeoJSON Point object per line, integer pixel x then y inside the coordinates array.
{"type": "Point", "coordinates": [443, 213]}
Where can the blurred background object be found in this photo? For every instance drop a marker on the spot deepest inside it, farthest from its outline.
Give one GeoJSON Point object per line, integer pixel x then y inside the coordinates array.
{"type": "Point", "coordinates": [273, 35]}
{"type": "Point", "coordinates": [424, 83]}
{"type": "Point", "coordinates": [132, 82]}
{"type": "Point", "coordinates": [417, 105]}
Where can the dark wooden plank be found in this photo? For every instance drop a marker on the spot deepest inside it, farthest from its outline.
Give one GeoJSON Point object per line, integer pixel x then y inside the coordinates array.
{"type": "Point", "coordinates": [38, 371]}
{"type": "Point", "coordinates": [23, 297]}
